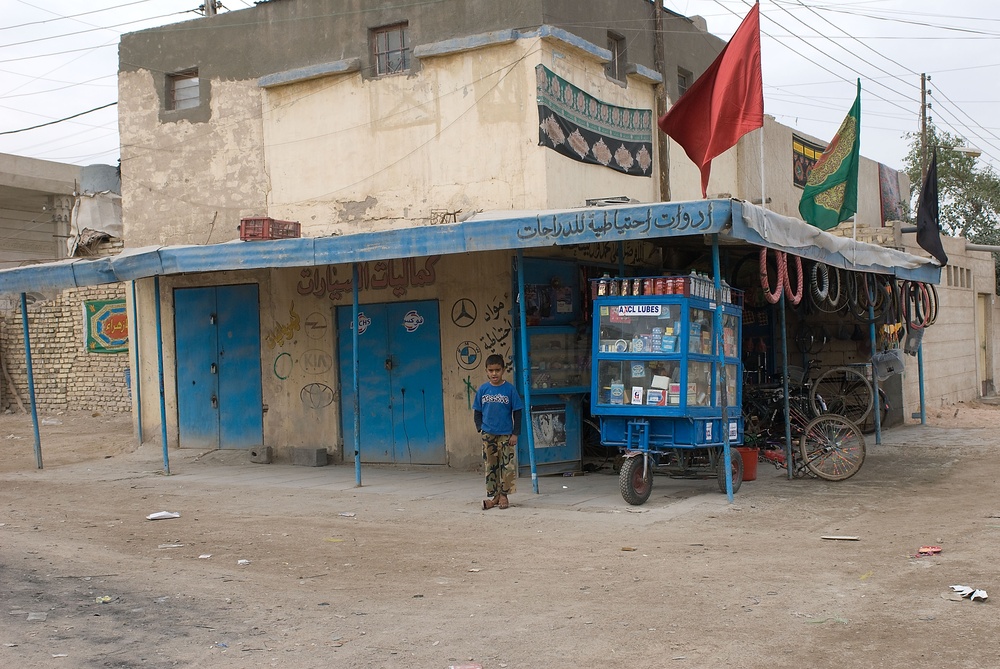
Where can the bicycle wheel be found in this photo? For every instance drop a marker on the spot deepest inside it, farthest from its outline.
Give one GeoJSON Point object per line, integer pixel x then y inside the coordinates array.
{"type": "Point", "coordinates": [636, 480]}
{"type": "Point", "coordinates": [832, 448]}
{"type": "Point", "coordinates": [843, 391]}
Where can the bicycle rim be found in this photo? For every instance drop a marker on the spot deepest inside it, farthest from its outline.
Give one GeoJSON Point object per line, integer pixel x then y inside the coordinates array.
{"type": "Point", "coordinates": [843, 391]}
{"type": "Point", "coordinates": [832, 448]}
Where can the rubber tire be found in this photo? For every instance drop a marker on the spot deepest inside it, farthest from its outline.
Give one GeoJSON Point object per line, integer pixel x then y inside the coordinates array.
{"type": "Point", "coordinates": [832, 447]}
{"type": "Point", "coordinates": [737, 464]}
{"type": "Point", "coordinates": [834, 389]}
{"type": "Point", "coordinates": [634, 486]}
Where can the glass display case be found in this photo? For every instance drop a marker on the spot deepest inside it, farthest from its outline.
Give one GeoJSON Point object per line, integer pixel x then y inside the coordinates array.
{"type": "Point", "coordinates": [558, 359]}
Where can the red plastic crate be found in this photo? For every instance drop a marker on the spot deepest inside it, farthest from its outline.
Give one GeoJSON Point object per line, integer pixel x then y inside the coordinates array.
{"type": "Point", "coordinates": [263, 227]}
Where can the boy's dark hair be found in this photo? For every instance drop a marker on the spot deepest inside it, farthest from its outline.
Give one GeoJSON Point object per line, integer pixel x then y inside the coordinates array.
{"type": "Point", "coordinates": [495, 359]}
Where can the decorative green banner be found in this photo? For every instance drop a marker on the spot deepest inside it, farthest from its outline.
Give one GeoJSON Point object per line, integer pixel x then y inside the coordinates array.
{"type": "Point", "coordinates": [107, 326]}
{"type": "Point", "coordinates": [579, 126]}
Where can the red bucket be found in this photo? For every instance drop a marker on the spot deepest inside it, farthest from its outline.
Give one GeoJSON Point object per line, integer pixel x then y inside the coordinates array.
{"type": "Point", "coordinates": [749, 456]}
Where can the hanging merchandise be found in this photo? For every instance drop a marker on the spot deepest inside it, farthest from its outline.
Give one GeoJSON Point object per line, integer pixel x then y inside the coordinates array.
{"type": "Point", "coordinates": [887, 363]}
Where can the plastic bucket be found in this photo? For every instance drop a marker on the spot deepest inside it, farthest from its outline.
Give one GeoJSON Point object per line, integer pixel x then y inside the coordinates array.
{"type": "Point", "coordinates": [749, 456]}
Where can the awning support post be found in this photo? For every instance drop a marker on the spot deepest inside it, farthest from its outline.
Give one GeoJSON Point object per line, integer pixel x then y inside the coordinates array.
{"type": "Point", "coordinates": [920, 378]}
{"type": "Point", "coordinates": [159, 367]}
{"type": "Point", "coordinates": [355, 314]}
{"type": "Point", "coordinates": [523, 364]}
{"type": "Point", "coordinates": [721, 377]}
{"type": "Point", "coordinates": [875, 398]}
{"type": "Point", "coordinates": [136, 375]}
{"type": "Point", "coordinates": [784, 385]}
{"type": "Point", "coordinates": [31, 381]}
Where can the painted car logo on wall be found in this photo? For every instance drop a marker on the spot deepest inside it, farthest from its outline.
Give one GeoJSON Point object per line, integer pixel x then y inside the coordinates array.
{"type": "Point", "coordinates": [412, 320]}
{"type": "Point", "coordinates": [363, 322]}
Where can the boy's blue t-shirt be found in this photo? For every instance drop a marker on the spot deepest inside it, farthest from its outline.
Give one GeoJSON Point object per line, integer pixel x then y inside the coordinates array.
{"type": "Point", "coordinates": [498, 404]}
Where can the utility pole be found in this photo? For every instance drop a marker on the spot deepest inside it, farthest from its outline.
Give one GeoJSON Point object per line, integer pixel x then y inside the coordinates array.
{"type": "Point", "coordinates": [210, 7]}
{"type": "Point", "coordinates": [660, 93]}
{"type": "Point", "coordinates": [923, 127]}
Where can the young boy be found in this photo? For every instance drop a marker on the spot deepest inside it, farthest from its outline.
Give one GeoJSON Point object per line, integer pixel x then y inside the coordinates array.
{"type": "Point", "coordinates": [498, 419]}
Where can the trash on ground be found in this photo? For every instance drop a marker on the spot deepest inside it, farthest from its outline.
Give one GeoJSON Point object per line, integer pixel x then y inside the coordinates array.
{"type": "Point", "coordinates": [50, 421]}
{"type": "Point", "coordinates": [204, 556]}
{"type": "Point", "coordinates": [243, 562]}
{"type": "Point", "coordinates": [39, 616]}
{"type": "Point", "coordinates": [163, 515]}
{"type": "Point", "coordinates": [834, 537]}
{"type": "Point", "coordinates": [170, 546]}
{"type": "Point", "coordinates": [924, 551]}
{"type": "Point", "coordinates": [103, 600]}
{"type": "Point", "coordinates": [972, 593]}
{"type": "Point", "coordinates": [628, 548]}
{"type": "Point", "coordinates": [347, 514]}
{"type": "Point", "coordinates": [474, 571]}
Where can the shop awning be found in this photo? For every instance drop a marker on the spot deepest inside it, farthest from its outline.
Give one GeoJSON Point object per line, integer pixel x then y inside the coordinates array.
{"type": "Point", "coordinates": [488, 231]}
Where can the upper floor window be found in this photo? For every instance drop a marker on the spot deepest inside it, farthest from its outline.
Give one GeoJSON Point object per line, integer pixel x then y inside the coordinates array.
{"type": "Point", "coordinates": [183, 90]}
{"type": "Point", "coordinates": [391, 49]}
{"type": "Point", "coordinates": [683, 81]}
{"type": "Point", "coordinates": [616, 68]}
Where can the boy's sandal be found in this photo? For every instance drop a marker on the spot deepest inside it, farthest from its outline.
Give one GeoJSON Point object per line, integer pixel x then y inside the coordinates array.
{"type": "Point", "coordinates": [502, 502]}
{"type": "Point", "coordinates": [488, 504]}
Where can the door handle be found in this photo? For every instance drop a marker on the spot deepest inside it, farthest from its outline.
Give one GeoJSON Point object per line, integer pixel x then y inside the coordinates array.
{"type": "Point", "coordinates": [215, 368]}
{"type": "Point", "coordinates": [215, 402]}
{"type": "Point", "coordinates": [388, 364]}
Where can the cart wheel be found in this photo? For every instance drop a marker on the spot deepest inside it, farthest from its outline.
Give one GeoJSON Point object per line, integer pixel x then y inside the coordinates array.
{"type": "Point", "coordinates": [737, 462]}
{"type": "Point", "coordinates": [636, 480]}
{"type": "Point", "coordinates": [832, 447]}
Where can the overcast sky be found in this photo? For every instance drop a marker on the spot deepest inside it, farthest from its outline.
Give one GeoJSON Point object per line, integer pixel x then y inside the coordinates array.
{"type": "Point", "coordinates": [59, 58]}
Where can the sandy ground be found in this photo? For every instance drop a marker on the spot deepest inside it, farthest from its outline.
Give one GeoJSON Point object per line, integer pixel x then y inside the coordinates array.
{"type": "Point", "coordinates": [412, 580]}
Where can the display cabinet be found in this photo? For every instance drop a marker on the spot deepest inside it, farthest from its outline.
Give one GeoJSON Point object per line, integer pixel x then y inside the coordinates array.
{"type": "Point", "coordinates": [656, 357]}
{"type": "Point", "coordinates": [558, 360]}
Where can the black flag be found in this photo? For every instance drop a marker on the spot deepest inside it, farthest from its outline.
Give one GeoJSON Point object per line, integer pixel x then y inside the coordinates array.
{"type": "Point", "coordinates": [928, 229]}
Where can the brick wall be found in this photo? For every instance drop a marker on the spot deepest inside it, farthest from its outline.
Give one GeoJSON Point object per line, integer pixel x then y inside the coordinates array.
{"type": "Point", "coordinates": [66, 375]}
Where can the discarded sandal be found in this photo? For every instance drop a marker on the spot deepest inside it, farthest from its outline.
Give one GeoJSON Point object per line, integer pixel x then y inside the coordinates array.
{"type": "Point", "coordinates": [502, 502]}
{"type": "Point", "coordinates": [489, 504]}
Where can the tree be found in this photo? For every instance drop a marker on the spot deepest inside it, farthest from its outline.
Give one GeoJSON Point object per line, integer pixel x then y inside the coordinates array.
{"type": "Point", "coordinates": [968, 190]}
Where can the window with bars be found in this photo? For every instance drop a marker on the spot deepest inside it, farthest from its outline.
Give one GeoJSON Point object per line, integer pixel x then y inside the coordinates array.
{"type": "Point", "coordinates": [391, 48]}
{"type": "Point", "coordinates": [183, 90]}
{"type": "Point", "coordinates": [619, 58]}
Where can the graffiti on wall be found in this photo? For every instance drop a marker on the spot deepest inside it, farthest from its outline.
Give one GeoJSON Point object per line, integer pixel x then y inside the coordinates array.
{"type": "Point", "coordinates": [316, 395]}
{"type": "Point", "coordinates": [279, 334]}
{"type": "Point", "coordinates": [398, 275]}
{"type": "Point", "coordinates": [315, 325]}
{"type": "Point", "coordinates": [283, 365]}
{"type": "Point", "coordinates": [468, 355]}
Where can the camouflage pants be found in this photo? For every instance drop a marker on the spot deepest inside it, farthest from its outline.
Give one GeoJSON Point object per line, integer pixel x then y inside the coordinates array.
{"type": "Point", "coordinates": [501, 464]}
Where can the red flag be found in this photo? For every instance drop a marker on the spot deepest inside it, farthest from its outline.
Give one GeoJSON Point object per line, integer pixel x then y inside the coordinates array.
{"type": "Point", "coordinates": [725, 103]}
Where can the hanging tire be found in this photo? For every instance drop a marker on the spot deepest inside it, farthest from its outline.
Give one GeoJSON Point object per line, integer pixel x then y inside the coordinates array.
{"type": "Point", "coordinates": [736, 461]}
{"type": "Point", "coordinates": [636, 480]}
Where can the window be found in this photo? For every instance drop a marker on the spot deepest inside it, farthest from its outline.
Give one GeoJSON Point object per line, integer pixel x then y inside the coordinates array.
{"type": "Point", "coordinates": [391, 49]}
{"type": "Point", "coordinates": [183, 90]}
{"type": "Point", "coordinates": [616, 68]}
{"type": "Point", "coordinates": [683, 81]}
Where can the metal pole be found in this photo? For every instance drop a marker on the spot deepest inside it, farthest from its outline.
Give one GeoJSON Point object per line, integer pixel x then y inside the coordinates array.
{"type": "Point", "coordinates": [621, 259]}
{"type": "Point", "coordinates": [136, 375]}
{"type": "Point", "coordinates": [523, 364]}
{"type": "Point", "coordinates": [784, 385]}
{"type": "Point", "coordinates": [159, 366]}
{"type": "Point", "coordinates": [356, 314]}
{"type": "Point", "coordinates": [920, 378]}
{"type": "Point", "coordinates": [875, 399]}
{"type": "Point", "coordinates": [721, 352]}
{"type": "Point", "coordinates": [31, 381]}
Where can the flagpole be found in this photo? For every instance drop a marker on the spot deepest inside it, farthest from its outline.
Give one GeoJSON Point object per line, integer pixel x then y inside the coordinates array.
{"type": "Point", "coordinates": [763, 193]}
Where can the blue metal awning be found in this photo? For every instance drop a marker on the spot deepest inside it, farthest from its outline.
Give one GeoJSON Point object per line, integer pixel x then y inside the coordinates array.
{"type": "Point", "coordinates": [490, 231]}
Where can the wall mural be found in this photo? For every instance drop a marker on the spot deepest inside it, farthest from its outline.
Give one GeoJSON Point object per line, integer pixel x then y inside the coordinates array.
{"type": "Point", "coordinates": [469, 355]}
{"type": "Point", "coordinates": [470, 390]}
{"type": "Point", "coordinates": [316, 361]}
{"type": "Point", "coordinates": [282, 333]}
{"type": "Point", "coordinates": [316, 325]}
{"type": "Point", "coordinates": [398, 275]}
{"type": "Point", "coordinates": [464, 312]}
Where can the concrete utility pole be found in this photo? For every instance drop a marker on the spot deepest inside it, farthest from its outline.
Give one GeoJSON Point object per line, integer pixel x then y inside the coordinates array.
{"type": "Point", "coordinates": [210, 7]}
{"type": "Point", "coordinates": [923, 127]}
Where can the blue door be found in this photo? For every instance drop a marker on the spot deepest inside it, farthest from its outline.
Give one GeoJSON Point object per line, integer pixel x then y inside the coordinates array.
{"type": "Point", "coordinates": [217, 333]}
{"type": "Point", "coordinates": [402, 408]}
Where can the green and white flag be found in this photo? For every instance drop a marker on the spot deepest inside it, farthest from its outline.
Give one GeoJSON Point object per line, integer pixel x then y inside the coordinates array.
{"type": "Point", "coordinates": [831, 192]}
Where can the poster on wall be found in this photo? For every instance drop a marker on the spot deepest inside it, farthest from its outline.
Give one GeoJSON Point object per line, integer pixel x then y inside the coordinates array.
{"type": "Point", "coordinates": [106, 324]}
{"type": "Point", "coordinates": [804, 156]}
{"type": "Point", "coordinates": [888, 189]}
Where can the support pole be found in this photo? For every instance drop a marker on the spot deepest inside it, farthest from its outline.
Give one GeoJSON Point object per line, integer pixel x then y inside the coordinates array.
{"type": "Point", "coordinates": [31, 381]}
{"type": "Point", "coordinates": [159, 367]}
{"type": "Point", "coordinates": [356, 315]}
{"type": "Point", "coordinates": [920, 378]}
{"type": "Point", "coordinates": [133, 338]}
{"type": "Point", "coordinates": [875, 399]}
{"type": "Point", "coordinates": [721, 352]}
{"type": "Point", "coordinates": [523, 364]}
{"type": "Point", "coordinates": [784, 385]}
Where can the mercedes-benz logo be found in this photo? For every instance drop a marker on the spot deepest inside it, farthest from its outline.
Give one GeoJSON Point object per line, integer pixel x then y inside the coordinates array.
{"type": "Point", "coordinates": [464, 313]}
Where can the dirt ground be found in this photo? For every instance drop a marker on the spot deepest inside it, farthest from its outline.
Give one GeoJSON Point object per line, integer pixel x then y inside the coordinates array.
{"type": "Point", "coordinates": [412, 580]}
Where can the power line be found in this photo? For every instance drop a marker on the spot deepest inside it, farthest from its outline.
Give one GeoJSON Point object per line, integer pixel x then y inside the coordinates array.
{"type": "Point", "coordinates": [42, 125]}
